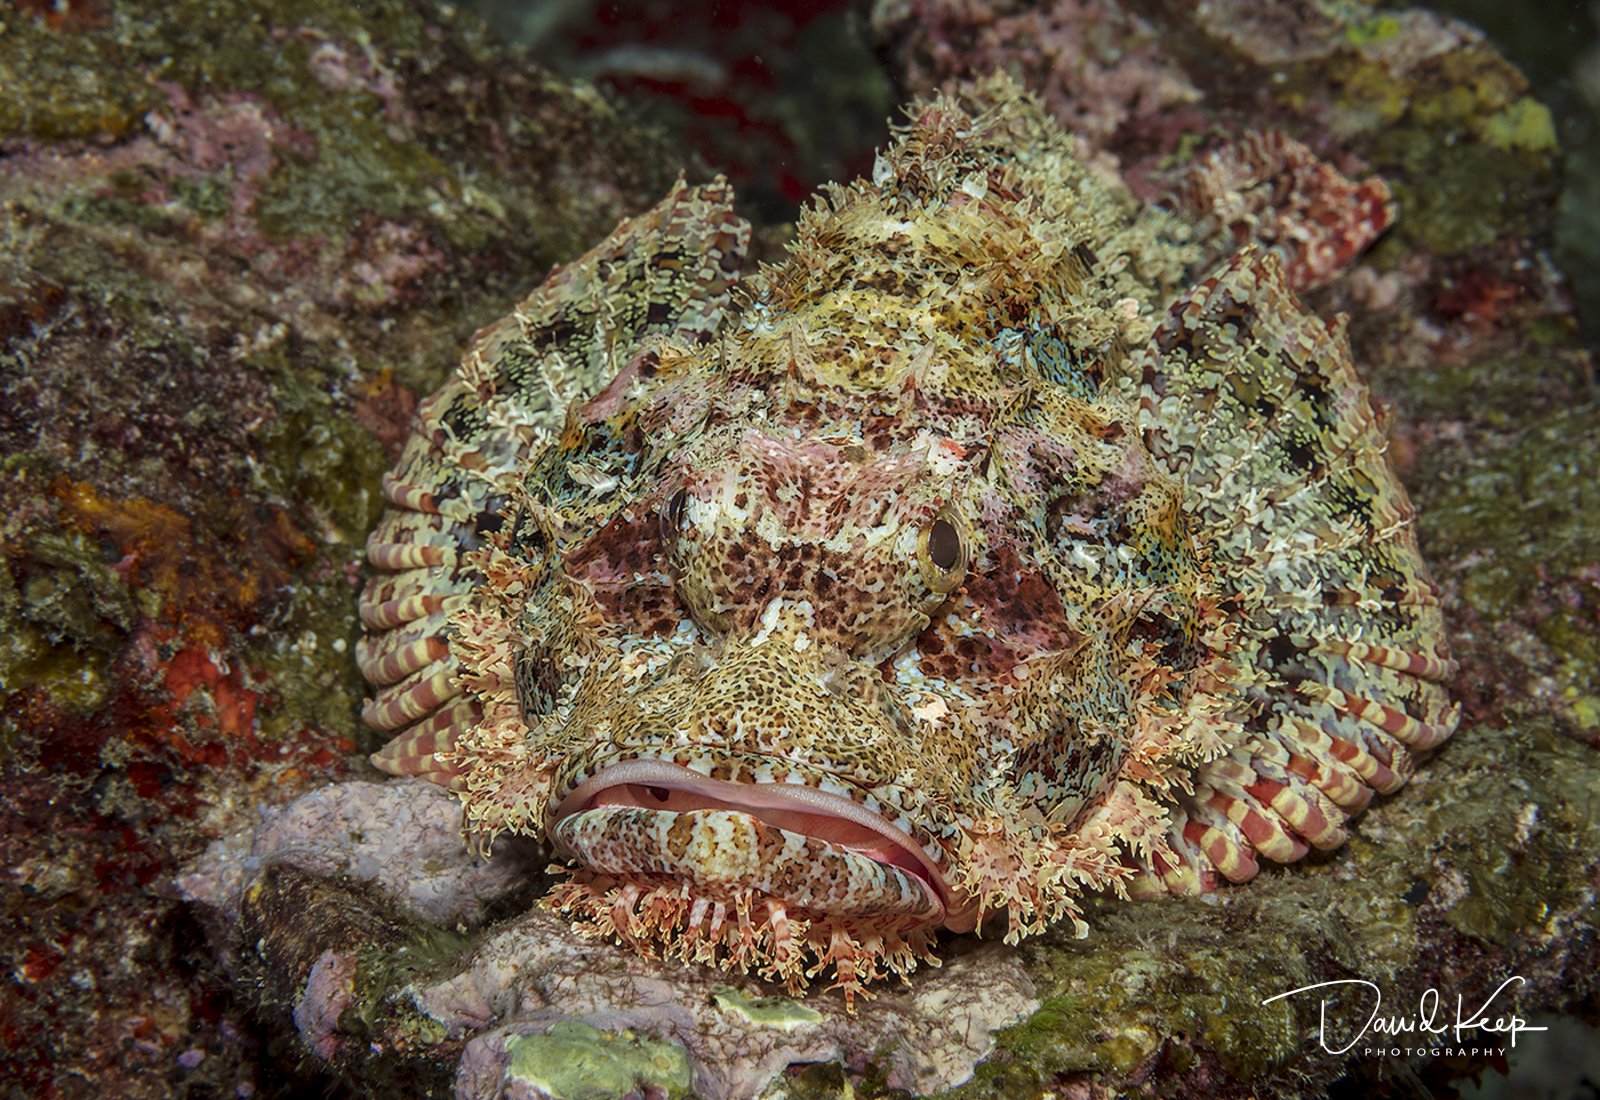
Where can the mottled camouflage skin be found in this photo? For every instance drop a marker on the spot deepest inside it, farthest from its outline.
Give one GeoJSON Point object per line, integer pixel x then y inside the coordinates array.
{"type": "Point", "coordinates": [962, 516]}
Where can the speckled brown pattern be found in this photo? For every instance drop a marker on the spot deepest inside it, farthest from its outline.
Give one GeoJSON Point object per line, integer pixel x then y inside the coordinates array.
{"type": "Point", "coordinates": [938, 575]}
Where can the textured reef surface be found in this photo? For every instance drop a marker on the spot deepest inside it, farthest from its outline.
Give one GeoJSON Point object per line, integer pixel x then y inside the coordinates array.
{"type": "Point", "coordinates": [226, 277]}
{"type": "Point", "coordinates": [224, 274]}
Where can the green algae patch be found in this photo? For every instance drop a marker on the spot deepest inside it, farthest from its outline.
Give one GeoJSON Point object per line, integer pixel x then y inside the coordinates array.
{"type": "Point", "coordinates": [378, 1008]}
{"type": "Point", "coordinates": [782, 1013]}
{"type": "Point", "coordinates": [1517, 518]}
{"type": "Point", "coordinates": [1554, 479]}
{"type": "Point", "coordinates": [1584, 708]}
{"type": "Point", "coordinates": [100, 76]}
{"type": "Point", "coordinates": [1383, 28]}
{"type": "Point", "coordinates": [1161, 980]}
{"type": "Point", "coordinates": [76, 682]}
{"type": "Point", "coordinates": [36, 657]}
{"type": "Point", "coordinates": [51, 94]}
{"type": "Point", "coordinates": [1525, 126]}
{"type": "Point", "coordinates": [574, 1061]}
{"type": "Point", "coordinates": [1439, 133]}
{"type": "Point", "coordinates": [1468, 199]}
{"type": "Point", "coordinates": [1504, 862]}
{"type": "Point", "coordinates": [65, 611]}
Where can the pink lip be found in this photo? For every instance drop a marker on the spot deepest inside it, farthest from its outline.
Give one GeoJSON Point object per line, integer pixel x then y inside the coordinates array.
{"type": "Point", "coordinates": [657, 785]}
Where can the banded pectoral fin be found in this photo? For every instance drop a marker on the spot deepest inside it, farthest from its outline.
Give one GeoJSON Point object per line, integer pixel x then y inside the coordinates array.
{"type": "Point", "coordinates": [1326, 637]}
{"type": "Point", "coordinates": [664, 274]}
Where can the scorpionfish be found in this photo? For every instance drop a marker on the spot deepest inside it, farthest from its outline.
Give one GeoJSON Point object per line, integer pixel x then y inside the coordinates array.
{"type": "Point", "coordinates": [976, 558]}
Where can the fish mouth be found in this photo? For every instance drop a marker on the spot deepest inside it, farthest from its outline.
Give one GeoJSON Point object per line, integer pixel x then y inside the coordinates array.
{"type": "Point", "coordinates": [815, 849]}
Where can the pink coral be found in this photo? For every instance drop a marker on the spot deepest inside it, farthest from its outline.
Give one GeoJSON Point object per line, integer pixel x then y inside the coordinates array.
{"type": "Point", "coordinates": [237, 132]}
{"type": "Point", "coordinates": [1267, 187]}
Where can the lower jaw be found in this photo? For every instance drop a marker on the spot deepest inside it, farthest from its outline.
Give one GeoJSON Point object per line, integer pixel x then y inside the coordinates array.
{"type": "Point", "coordinates": [739, 930]}
{"type": "Point", "coordinates": [724, 852]}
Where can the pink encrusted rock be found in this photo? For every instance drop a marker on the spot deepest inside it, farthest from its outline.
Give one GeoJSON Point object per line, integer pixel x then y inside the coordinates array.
{"type": "Point", "coordinates": [1268, 187]}
{"type": "Point", "coordinates": [1282, 34]}
{"type": "Point", "coordinates": [404, 838]}
{"type": "Point", "coordinates": [328, 992]}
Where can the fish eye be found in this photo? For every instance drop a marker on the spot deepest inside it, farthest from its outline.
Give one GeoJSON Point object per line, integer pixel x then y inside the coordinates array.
{"type": "Point", "coordinates": [672, 518]}
{"type": "Point", "coordinates": [944, 545]}
{"type": "Point", "coordinates": [943, 554]}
